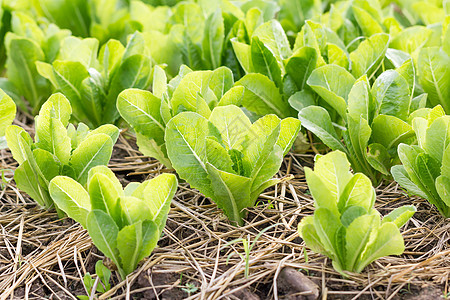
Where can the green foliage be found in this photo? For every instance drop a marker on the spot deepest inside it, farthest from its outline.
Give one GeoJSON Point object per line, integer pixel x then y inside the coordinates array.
{"type": "Point", "coordinates": [194, 33]}
{"type": "Point", "coordinates": [58, 149]}
{"type": "Point", "coordinates": [124, 224]}
{"type": "Point", "coordinates": [27, 43]}
{"type": "Point", "coordinates": [266, 50]}
{"type": "Point", "coordinates": [362, 37]}
{"type": "Point", "coordinates": [226, 157]}
{"type": "Point", "coordinates": [210, 89]}
{"type": "Point", "coordinates": [197, 91]}
{"type": "Point", "coordinates": [294, 13]}
{"type": "Point", "coordinates": [312, 70]}
{"type": "Point", "coordinates": [426, 167]}
{"type": "Point", "coordinates": [345, 226]}
{"type": "Point", "coordinates": [375, 119]}
{"type": "Point", "coordinates": [101, 284]}
{"type": "Point", "coordinates": [7, 115]}
{"type": "Point", "coordinates": [263, 97]}
{"type": "Point", "coordinates": [148, 113]}
{"type": "Point", "coordinates": [434, 75]}
{"type": "Point", "coordinates": [92, 82]}
{"type": "Point", "coordinates": [424, 12]}
{"type": "Point", "coordinates": [101, 19]}
{"type": "Point", "coordinates": [7, 7]}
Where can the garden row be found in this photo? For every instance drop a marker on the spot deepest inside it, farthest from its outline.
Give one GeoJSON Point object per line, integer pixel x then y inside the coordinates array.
{"type": "Point", "coordinates": [220, 91]}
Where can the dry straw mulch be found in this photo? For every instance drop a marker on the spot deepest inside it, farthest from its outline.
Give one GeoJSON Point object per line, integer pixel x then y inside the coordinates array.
{"type": "Point", "coordinates": [201, 256]}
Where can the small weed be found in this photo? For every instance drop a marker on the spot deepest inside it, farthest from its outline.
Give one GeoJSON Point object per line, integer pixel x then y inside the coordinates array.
{"type": "Point", "coordinates": [4, 180]}
{"type": "Point", "coordinates": [189, 288]}
{"type": "Point", "coordinates": [269, 202]}
{"type": "Point", "coordinates": [247, 248]}
{"type": "Point", "coordinates": [100, 284]}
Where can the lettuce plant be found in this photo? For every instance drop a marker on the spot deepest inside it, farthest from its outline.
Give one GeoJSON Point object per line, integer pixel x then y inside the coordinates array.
{"type": "Point", "coordinates": [345, 226]}
{"type": "Point", "coordinates": [91, 82]}
{"type": "Point", "coordinates": [402, 19]}
{"type": "Point", "coordinates": [226, 157]}
{"type": "Point", "coordinates": [422, 12]}
{"type": "Point", "coordinates": [265, 49]}
{"type": "Point", "coordinates": [102, 19]}
{"type": "Point", "coordinates": [195, 34]}
{"type": "Point", "coordinates": [434, 71]}
{"type": "Point", "coordinates": [293, 14]}
{"type": "Point", "coordinates": [358, 36]}
{"type": "Point", "coordinates": [283, 74]}
{"type": "Point", "coordinates": [7, 8]}
{"type": "Point", "coordinates": [429, 47]}
{"type": "Point", "coordinates": [124, 224]}
{"type": "Point", "coordinates": [58, 149]}
{"type": "Point", "coordinates": [419, 30]}
{"type": "Point", "coordinates": [7, 115]}
{"type": "Point", "coordinates": [272, 68]}
{"type": "Point", "coordinates": [375, 119]}
{"type": "Point", "coordinates": [197, 91]}
{"type": "Point", "coordinates": [27, 43]}
{"type": "Point", "coordinates": [425, 171]}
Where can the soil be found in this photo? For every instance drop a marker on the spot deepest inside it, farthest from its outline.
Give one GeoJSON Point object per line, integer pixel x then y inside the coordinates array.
{"type": "Point", "coordinates": [163, 286]}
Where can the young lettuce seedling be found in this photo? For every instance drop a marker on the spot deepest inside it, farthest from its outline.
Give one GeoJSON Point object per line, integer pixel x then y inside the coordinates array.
{"type": "Point", "coordinates": [426, 167]}
{"type": "Point", "coordinates": [7, 115]}
{"type": "Point", "coordinates": [124, 224]}
{"type": "Point", "coordinates": [58, 149]}
{"type": "Point", "coordinates": [91, 82]}
{"type": "Point", "coordinates": [226, 157]}
{"type": "Point", "coordinates": [345, 226]}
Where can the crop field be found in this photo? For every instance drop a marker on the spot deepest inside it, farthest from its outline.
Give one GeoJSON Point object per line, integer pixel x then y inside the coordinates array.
{"type": "Point", "coordinates": [225, 149]}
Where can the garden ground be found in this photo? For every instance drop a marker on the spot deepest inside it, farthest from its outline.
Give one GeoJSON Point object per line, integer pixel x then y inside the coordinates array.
{"type": "Point", "coordinates": [201, 256]}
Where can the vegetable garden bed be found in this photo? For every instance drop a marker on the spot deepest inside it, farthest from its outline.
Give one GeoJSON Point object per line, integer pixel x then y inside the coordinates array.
{"type": "Point", "coordinates": [41, 256]}
{"type": "Point", "coordinates": [224, 149]}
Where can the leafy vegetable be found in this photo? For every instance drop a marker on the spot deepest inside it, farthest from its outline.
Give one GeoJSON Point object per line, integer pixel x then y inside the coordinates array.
{"type": "Point", "coordinates": [197, 91]}
{"type": "Point", "coordinates": [375, 119]}
{"type": "Point", "coordinates": [313, 69]}
{"type": "Point", "coordinates": [434, 75]}
{"type": "Point", "coordinates": [148, 113]}
{"type": "Point", "coordinates": [262, 96]}
{"type": "Point", "coordinates": [226, 157]}
{"type": "Point", "coordinates": [6, 10]}
{"type": "Point", "coordinates": [7, 115]}
{"type": "Point", "coordinates": [194, 34]}
{"type": "Point", "coordinates": [345, 226]}
{"type": "Point", "coordinates": [425, 169]}
{"type": "Point", "coordinates": [124, 224]}
{"type": "Point", "coordinates": [58, 149]}
{"type": "Point", "coordinates": [27, 43]}
{"type": "Point", "coordinates": [267, 51]}
{"type": "Point", "coordinates": [293, 14]}
{"type": "Point", "coordinates": [102, 19]}
{"type": "Point", "coordinates": [91, 82]}
{"type": "Point", "coordinates": [103, 285]}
